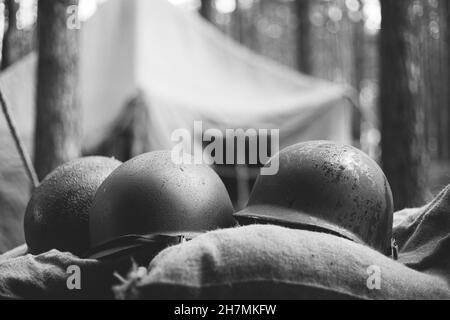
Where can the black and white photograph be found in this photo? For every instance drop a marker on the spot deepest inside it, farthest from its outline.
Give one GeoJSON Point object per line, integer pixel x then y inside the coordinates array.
{"type": "Point", "coordinates": [224, 158]}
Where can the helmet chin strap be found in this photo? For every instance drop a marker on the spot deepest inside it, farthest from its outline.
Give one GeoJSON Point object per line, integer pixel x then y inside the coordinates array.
{"type": "Point", "coordinates": [130, 242]}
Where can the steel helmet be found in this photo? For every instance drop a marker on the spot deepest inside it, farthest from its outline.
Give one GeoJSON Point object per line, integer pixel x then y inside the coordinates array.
{"type": "Point", "coordinates": [327, 187]}
{"type": "Point", "coordinates": [57, 215]}
{"type": "Point", "coordinates": [152, 200]}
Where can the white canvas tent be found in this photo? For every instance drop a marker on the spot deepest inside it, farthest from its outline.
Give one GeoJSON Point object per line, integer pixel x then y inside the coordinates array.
{"type": "Point", "coordinates": [190, 71]}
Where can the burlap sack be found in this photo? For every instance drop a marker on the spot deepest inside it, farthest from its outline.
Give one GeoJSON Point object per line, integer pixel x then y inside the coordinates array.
{"type": "Point", "coordinates": [423, 236]}
{"type": "Point", "coordinates": [50, 276]}
{"type": "Point", "coordinates": [269, 262]}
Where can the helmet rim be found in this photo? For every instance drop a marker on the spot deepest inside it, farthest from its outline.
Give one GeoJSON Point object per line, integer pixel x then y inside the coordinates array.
{"type": "Point", "coordinates": [125, 245]}
{"type": "Point", "coordinates": [279, 215]}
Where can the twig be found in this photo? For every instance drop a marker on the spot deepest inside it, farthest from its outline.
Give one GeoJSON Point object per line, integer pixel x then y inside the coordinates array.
{"type": "Point", "coordinates": [26, 160]}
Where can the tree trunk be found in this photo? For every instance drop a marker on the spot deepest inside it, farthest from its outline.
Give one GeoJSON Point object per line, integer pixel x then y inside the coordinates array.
{"type": "Point", "coordinates": [237, 23]}
{"type": "Point", "coordinates": [359, 51]}
{"type": "Point", "coordinates": [11, 7]}
{"type": "Point", "coordinates": [303, 36]}
{"type": "Point", "coordinates": [445, 42]}
{"type": "Point", "coordinates": [57, 138]}
{"type": "Point", "coordinates": [405, 155]}
{"type": "Point", "coordinates": [206, 9]}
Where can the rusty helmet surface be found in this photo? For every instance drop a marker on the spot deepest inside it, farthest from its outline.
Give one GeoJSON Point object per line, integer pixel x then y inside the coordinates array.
{"type": "Point", "coordinates": [326, 187]}
{"type": "Point", "coordinates": [150, 199]}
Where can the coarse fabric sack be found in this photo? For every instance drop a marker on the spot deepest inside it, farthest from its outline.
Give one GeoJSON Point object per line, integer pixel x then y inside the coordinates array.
{"type": "Point", "coordinates": [270, 262]}
{"type": "Point", "coordinates": [48, 276]}
{"type": "Point", "coordinates": [423, 236]}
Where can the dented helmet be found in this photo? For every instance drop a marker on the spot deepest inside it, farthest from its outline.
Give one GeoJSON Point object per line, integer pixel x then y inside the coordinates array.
{"type": "Point", "coordinates": [326, 187]}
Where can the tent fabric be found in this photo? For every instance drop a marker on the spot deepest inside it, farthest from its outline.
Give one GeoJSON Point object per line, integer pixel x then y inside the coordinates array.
{"type": "Point", "coordinates": [190, 71]}
{"type": "Point", "coordinates": [128, 136]}
{"type": "Point", "coordinates": [274, 261]}
{"type": "Point", "coordinates": [17, 86]}
{"type": "Point", "coordinates": [14, 194]}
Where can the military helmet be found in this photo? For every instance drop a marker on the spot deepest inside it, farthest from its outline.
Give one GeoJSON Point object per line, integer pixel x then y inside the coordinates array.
{"type": "Point", "coordinates": [152, 200]}
{"type": "Point", "coordinates": [327, 187]}
{"type": "Point", "coordinates": [57, 215]}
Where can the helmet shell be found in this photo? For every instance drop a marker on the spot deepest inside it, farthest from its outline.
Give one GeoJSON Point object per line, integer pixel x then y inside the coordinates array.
{"type": "Point", "coordinates": [151, 195]}
{"type": "Point", "coordinates": [328, 187]}
{"type": "Point", "coordinates": [57, 215]}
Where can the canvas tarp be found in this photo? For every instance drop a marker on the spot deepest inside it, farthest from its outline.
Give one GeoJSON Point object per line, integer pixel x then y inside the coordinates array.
{"type": "Point", "coordinates": [190, 71]}
{"type": "Point", "coordinates": [17, 85]}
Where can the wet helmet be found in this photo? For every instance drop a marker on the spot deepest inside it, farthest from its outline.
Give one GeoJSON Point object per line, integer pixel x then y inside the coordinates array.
{"type": "Point", "coordinates": [57, 216]}
{"type": "Point", "coordinates": [327, 187]}
{"type": "Point", "coordinates": [152, 200]}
